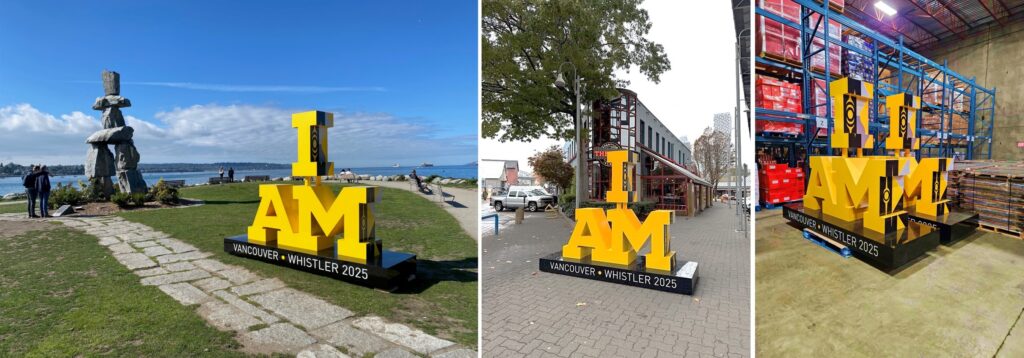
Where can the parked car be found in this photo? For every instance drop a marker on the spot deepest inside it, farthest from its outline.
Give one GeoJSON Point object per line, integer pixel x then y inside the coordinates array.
{"type": "Point", "coordinates": [530, 197]}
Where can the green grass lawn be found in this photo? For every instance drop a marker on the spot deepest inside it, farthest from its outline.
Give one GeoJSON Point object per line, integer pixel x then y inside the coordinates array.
{"type": "Point", "coordinates": [14, 208]}
{"type": "Point", "coordinates": [443, 300]}
{"type": "Point", "coordinates": [63, 295]}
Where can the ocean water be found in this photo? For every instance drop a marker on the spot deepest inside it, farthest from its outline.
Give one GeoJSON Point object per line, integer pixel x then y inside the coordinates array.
{"type": "Point", "coordinates": [13, 184]}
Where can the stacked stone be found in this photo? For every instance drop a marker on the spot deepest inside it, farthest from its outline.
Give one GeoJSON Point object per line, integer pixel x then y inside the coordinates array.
{"type": "Point", "coordinates": [100, 162]}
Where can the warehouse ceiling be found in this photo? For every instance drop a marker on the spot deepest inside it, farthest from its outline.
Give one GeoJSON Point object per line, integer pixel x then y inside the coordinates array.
{"type": "Point", "coordinates": [741, 21]}
{"type": "Point", "coordinates": [925, 23]}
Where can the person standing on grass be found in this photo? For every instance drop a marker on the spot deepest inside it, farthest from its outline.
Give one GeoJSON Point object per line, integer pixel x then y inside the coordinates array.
{"type": "Point", "coordinates": [231, 175]}
{"type": "Point", "coordinates": [222, 174]}
{"type": "Point", "coordinates": [43, 187]}
{"type": "Point", "coordinates": [30, 189]}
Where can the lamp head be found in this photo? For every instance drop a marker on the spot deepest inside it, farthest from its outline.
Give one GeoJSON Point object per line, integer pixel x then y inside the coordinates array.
{"type": "Point", "coordinates": [560, 81]}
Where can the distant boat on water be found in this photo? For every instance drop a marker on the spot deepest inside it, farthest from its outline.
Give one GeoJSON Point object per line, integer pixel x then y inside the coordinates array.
{"type": "Point", "coordinates": [396, 166]}
{"type": "Point", "coordinates": [427, 165]}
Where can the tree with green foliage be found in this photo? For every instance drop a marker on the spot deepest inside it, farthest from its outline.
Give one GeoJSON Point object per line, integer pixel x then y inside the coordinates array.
{"type": "Point", "coordinates": [524, 44]}
{"type": "Point", "coordinates": [551, 165]}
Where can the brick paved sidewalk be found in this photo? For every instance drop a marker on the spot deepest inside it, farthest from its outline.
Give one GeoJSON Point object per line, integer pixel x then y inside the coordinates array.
{"type": "Point", "coordinates": [537, 314]}
{"type": "Point", "coordinates": [232, 298]}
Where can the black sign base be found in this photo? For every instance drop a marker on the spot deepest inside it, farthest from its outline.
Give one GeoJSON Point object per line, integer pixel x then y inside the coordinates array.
{"type": "Point", "coordinates": [953, 227]}
{"type": "Point", "coordinates": [683, 281]}
{"type": "Point", "coordinates": [392, 270]}
{"type": "Point", "coordinates": [886, 252]}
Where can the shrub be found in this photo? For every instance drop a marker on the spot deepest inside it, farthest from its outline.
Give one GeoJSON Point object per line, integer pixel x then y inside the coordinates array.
{"type": "Point", "coordinates": [138, 199]}
{"type": "Point", "coordinates": [401, 177]}
{"type": "Point", "coordinates": [92, 189]}
{"type": "Point", "coordinates": [66, 195]}
{"type": "Point", "coordinates": [123, 200]}
{"type": "Point", "coordinates": [642, 208]}
{"type": "Point", "coordinates": [567, 198]}
{"type": "Point", "coordinates": [164, 193]}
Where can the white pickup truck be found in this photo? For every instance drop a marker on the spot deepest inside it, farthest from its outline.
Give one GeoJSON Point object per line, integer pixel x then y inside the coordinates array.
{"type": "Point", "coordinates": [530, 197]}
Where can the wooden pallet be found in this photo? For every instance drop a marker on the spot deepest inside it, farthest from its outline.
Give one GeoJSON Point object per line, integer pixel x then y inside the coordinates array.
{"type": "Point", "coordinates": [998, 230]}
{"type": "Point", "coordinates": [778, 58]}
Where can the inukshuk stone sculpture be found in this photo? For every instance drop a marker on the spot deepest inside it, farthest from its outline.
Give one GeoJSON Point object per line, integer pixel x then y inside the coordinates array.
{"type": "Point", "coordinates": [100, 162]}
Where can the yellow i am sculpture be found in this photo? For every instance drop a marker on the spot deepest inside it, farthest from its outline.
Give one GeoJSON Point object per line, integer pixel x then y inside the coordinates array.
{"type": "Point", "coordinates": [614, 238]}
{"type": "Point", "coordinates": [310, 217]}
{"type": "Point", "coordinates": [868, 189]}
{"type": "Point", "coordinates": [926, 184]}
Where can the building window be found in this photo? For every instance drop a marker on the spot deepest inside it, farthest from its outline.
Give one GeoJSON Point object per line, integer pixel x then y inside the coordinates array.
{"type": "Point", "coordinates": [641, 132]}
{"type": "Point", "coordinates": [657, 142]}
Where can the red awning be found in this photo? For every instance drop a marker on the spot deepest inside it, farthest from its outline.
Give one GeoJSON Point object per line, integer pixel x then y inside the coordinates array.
{"type": "Point", "coordinates": [676, 167]}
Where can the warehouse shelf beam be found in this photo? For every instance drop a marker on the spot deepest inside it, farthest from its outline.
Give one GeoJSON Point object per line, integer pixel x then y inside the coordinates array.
{"type": "Point", "coordinates": [896, 69]}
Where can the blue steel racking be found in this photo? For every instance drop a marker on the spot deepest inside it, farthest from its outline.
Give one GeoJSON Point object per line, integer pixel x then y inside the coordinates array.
{"type": "Point", "coordinates": [908, 71]}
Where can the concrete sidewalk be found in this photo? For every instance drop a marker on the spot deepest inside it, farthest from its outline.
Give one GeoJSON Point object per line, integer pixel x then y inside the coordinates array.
{"type": "Point", "coordinates": [463, 208]}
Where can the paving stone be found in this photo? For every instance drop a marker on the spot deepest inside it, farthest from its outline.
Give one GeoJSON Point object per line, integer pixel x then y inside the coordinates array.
{"type": "Point", "coordinates": [457, 353]}
{"type": "Point", "coordinates": [179, 266]}
{"type": "Point", "coordinates": [144, 244]}
{"type": "Point", "coordinates": [260, 286]}
{"type": "Point", "coordinates": [109, 240]}
{"type": "Point", "coordinates": [151, 272]}
{"type": "Point", "coordinates": [193, 255]}
{"type": "Point", "coordinates": [155, 251]}
{"type": "Point", "coordinates": [301, 308]}
{"type": "Point", "coordinates": [401, 334]}
{"type": "Point", "coordinates": [321, 351]}
{"type": "Point", "coordinates": [131, 237]}
{"type": "Point", "coordinates": [226, 317]}
{"type": "Point", "coordinates": [210, 265]}
{"type": "Point", "coordinates": [134, 261]}
{"type": "Point", "coordinates": [177, 245]}
{"type": "Point", "coordinates": [238, 275]}
{"type": "Point", "coordinates": [355, 341]}
{"type": "Point", "coordinates": [279, 337]}
{"type": "Point", "coordinates": [212, 284]}
{"type": "Point", "coordinates": [246, 307]}
{"type": "Point", "coordinates": [121, 248]}
{"type": "Point", "coordinates": [185, 293]}
{"type": "Point", "coordinates": [395, 353]}
{"type": "Point", "coordinates": [182, 276]}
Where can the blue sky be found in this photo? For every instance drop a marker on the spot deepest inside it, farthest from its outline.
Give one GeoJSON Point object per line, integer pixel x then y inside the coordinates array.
{"type": "Point", "coordinates": [217, 80]}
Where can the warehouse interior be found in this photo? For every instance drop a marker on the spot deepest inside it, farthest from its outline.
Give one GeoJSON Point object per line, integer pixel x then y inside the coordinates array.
{"type": "Point", "coordinates": [962, 59]}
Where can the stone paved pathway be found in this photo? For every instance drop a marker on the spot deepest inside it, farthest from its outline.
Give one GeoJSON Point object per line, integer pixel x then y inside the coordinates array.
{"type": "Point", "coordinates": [538, 314]}
{"type": "Point", "coordinates": [266, 314]}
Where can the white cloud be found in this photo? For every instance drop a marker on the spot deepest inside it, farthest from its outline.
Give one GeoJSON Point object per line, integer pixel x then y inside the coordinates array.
{"type": "Point", "coordinates": [257, 88]}
{"type": "Point", "coordinates": [212, 133]}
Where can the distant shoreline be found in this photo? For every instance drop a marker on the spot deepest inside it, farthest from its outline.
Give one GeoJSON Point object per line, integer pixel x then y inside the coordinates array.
{"type": "Point", "coordinates": [207, 167]}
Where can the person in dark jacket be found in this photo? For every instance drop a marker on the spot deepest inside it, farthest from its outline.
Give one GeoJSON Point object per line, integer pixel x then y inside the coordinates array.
{"type": "Point", "coordinates": [30, 190]}
{"type": "Point", "coordinates": [43, 187]}
{"type": "Point", "coordinates": [231, 175]}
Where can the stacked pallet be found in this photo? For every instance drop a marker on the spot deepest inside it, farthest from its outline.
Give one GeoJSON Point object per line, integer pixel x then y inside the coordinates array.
{"type": "Point", "coordinates": [778, 95]}
{"type": "Point", "coordinates": [855, 65]}
{"type": "Point", "coordinates": [993, 189]}
{"type": "Point", "coordinates": [775, 40]}
{"type": "Point", "coordinates": [935, 94]}
{"type": "Point", "coordinates": [780, 183]}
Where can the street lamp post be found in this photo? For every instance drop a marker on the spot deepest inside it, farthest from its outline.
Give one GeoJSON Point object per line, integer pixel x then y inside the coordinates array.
{"type": "Point", "coordinates": [740, 197]}
{"type": "Point", "coordinates": [560, 83]}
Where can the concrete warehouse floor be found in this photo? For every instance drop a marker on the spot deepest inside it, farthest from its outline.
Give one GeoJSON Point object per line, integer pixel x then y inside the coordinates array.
{"type": "Point", "coordinates": [959, 301]}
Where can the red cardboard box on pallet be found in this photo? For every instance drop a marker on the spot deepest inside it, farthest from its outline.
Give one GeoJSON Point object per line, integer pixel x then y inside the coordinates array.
{"type": "Point", "coordinates": [778, 95]}
{"type": "Point", "coordinates": [775, 40]}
